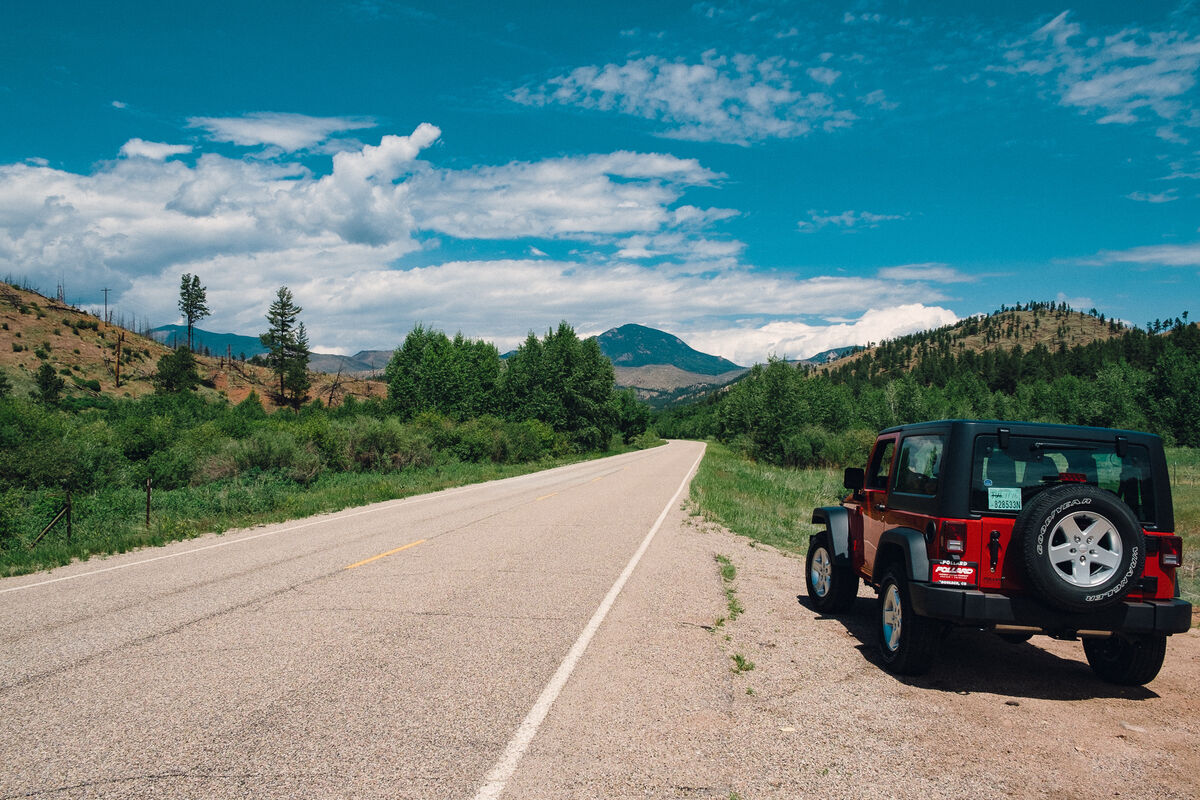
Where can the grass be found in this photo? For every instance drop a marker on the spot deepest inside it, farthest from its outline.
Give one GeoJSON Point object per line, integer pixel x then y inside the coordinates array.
{"type": "Point", "coordinates": [113, 521]}
{"type": "Point", "coordinates": [773, 505]}
{"type": "Point", "coordinates": [1184, 465]}
{"type": "Point", "coordinates": [741, 664]}
{"type": "Point", "coordinates": [733, 606]}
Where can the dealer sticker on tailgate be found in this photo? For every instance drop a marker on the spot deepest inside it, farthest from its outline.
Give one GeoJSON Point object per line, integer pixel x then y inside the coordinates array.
{"type": "Point", "coordinates": [1004, 499]}
{"type": "Point", "coordinates": [954, 573]}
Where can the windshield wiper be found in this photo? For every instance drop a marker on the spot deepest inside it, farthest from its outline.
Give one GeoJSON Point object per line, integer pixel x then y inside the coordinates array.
{"type": "Point", "coordinates": [1060, 446]}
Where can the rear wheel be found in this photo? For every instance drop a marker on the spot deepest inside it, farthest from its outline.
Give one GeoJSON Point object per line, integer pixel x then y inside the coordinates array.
{"type": "Point", "coordinates": [907, 641]}
{"type": "Point", "coordinates": [831, 587]}
{"type": "Point", "coordinates": [1129, 661]}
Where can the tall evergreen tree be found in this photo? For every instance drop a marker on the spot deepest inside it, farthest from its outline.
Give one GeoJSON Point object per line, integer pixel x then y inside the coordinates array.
{"type": "Point", "coordinates": [287, 347]}
{"type": "Point", "coordinates": [193, 302]}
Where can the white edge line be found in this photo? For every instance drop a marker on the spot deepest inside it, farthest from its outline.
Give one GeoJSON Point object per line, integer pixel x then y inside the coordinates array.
{"type": "Point", "coordinates": [497, 779]}
{"type": "Point", "coordinates": [325, 519]}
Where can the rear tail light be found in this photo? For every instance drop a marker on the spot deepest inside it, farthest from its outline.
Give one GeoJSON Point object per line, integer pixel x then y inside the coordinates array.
{"type": "Point", "coordinates": [954, 538]}
{"type": "Point", "coordinates": [1170, 551]}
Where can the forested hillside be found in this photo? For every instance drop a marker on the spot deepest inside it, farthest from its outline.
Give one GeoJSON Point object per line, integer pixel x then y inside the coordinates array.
{"type": "Point", "coordinates": [1014, 364]}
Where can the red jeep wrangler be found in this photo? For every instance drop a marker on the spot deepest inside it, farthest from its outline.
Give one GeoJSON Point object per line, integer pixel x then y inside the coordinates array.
{"type": "Point", "coordinates": [1021, 528]}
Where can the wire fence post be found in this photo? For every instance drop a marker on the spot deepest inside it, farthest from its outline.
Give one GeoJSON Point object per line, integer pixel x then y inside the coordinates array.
{"type": "Point", "coordinates": [69, 524]}
{"type": "Point", "coordinates": [147, 502]}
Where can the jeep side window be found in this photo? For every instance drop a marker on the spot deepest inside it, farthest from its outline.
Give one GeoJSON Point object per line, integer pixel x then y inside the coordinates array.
{"type": "Point", "coordinates": [919, 465]}
{"type": "Point", "coordinates": [881, 465]}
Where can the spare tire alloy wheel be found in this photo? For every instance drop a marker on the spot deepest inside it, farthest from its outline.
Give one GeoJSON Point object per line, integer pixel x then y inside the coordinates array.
{"type": "Point", "coordinates": [1082, 547]}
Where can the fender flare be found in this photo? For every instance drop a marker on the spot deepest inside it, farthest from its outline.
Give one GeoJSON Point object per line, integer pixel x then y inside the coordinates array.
{"type": "Point", "coordinates": [837, 521]}
{"type": "Point", "coordinates": [912, 544]}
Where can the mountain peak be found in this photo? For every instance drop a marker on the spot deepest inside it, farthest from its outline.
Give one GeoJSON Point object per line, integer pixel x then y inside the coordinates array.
{"type": "Point", "coordinates": [635, 345]}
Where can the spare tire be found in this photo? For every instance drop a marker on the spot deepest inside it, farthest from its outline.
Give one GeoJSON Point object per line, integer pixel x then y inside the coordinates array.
{"type": "Point", "coordinates": [1083, 548]}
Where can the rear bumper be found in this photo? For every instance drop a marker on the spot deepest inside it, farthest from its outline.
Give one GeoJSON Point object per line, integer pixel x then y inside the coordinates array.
{"type": "Point", "coordinates": [973, 607]}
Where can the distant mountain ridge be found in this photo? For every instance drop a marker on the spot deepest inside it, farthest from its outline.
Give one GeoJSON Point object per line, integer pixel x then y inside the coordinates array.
{"type": "Point", "coordinates": [218, 344]}
{"type": "Point", "coordinates": [659, 366]}
{"type": "Point", "coordinates": [640, 346]}
{"type": "Point", "coordinates": [828, 356]}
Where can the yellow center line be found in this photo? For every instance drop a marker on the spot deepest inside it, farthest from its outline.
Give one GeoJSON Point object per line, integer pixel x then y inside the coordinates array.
{"type": "Point", "coordinates": [385, 555]}
{"type": "Point", "coordinates": [545, 497]}
{"type": "Point", "coordinates": [598, 478]}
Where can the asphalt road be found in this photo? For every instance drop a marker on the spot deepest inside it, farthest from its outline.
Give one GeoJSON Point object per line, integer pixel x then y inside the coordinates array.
{"type": "Point", "coordinates": [398, 650]}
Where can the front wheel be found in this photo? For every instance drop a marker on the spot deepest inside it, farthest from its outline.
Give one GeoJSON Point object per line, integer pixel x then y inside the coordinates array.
{"type": "Point", "coordinates": [1126, 660]}
{"type": "Point", "coordinates": [831, 587]}
{"type": "Point", "coordinates": [907, 641]}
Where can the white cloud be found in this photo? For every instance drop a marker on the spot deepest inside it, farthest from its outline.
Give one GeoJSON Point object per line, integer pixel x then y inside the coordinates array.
{"type": "Point", "coordinates": [248, 225]}
{"type": "Point", "coordinates": [290, 132]}
{"type": "Point", "coordinates": [139, 148]}
{"type": "Point", "coordinates": [1167, 255]}
{"type": "Point", "coordinates": [846, 220]}
{"type": "Point", "coordinates": [1123, 78]}
{"type": "Point", "coordinates": [1077, 303]}
{"type": "Point", "coordinates": [879, 98]}
{"type": "Point", "coordinates": [1153, 197]}
{"type": "Point", "coordinates": [930, 272]}
{"type": "Point", "coordinates": [824, 75]}
{"type": "Point", "coordinates": [796, 340]}
{"type": "Point", "coordinates": [692, 249]}
{"type": "Point", "coordinates": [738, 99]}
{"type": "Point", "coordinates": [559, 198]}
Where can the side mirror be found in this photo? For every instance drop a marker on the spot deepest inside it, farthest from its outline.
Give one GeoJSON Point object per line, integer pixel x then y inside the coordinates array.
{"type": "Point", "coordinates": [854, 479]}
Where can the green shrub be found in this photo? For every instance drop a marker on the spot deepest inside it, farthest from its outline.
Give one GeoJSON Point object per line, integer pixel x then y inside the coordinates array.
{"type": "Point", "coordinates": [480, 439]}
{"type": "Point", "coordinates": [528, 441]}
{"type": "Point", "coordinates": [385, 444]}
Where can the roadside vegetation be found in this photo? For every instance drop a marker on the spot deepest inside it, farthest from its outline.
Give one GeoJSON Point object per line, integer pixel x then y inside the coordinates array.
{"type": "Point", "coordinates": [454, 414]}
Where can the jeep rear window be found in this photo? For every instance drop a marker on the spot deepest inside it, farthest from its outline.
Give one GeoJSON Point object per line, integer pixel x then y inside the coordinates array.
{"type": "Point", "coordinates": [1004, 479]}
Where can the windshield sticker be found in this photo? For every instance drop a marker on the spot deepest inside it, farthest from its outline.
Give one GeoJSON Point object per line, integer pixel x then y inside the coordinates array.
{"type": "Point", "coordinates": [1004, 499]}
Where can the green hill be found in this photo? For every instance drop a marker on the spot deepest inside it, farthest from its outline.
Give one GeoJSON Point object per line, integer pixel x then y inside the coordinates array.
{"type": "Point", "coordinates": [639, 346]}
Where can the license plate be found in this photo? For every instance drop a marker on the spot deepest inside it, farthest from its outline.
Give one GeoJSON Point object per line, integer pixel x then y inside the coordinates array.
{"type": "Point", "coordinates": [954, 573]}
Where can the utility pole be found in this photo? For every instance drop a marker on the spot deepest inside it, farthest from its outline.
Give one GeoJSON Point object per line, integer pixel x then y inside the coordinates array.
{"type": "Point", "coordinates": [106, 291]}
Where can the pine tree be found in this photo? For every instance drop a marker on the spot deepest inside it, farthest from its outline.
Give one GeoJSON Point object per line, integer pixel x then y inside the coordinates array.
{"type": "Point", "coordinates": [176, 372]}
{"type": "Point", "coordinates": [48, 386]}
{"type": "Point", "coordinates": [193, 302]}
{"type": "Point", "coordinates": [287, 347]}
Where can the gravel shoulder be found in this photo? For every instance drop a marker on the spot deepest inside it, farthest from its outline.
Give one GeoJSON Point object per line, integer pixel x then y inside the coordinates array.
{"type": "Point", "coordinates": [656, 710]}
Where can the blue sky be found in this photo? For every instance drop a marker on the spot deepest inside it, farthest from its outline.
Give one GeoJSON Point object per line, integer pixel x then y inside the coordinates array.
{"type": "Point", "coordinates": [755, 177]}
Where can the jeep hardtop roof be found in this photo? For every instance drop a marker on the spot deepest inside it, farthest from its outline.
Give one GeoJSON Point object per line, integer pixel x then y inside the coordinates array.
{"type": "Point", "coordinates": [974, 427]}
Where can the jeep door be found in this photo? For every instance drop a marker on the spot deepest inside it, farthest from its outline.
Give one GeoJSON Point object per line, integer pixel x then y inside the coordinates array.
{"type": "Point", "coordinates": [873, 511]}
